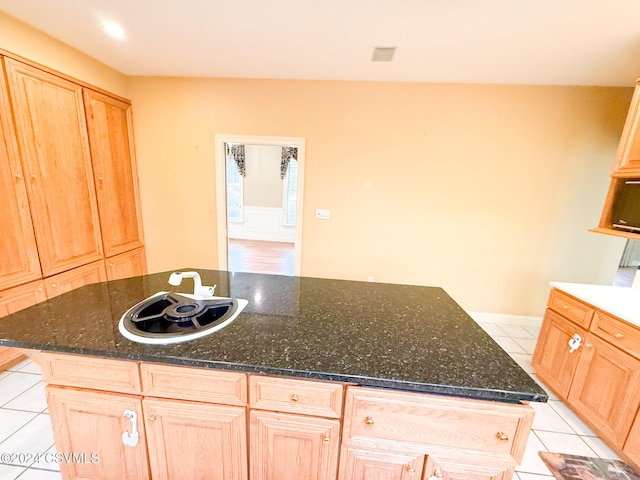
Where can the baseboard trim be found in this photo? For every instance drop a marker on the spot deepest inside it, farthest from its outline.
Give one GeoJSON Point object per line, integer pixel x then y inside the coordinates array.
{"type": "Point", "coordinates": [502, 318]}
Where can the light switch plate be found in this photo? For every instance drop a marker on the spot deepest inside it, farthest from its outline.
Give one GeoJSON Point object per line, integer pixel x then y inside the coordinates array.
{"type": "Point", "coordinates": [323, 214]}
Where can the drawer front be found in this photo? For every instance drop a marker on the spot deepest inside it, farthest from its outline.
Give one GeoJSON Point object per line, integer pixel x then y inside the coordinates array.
{"type": "Point", "coordinates": [305, 397]}
{"type": "Point", "coordinates": [190, 383]}
{"type": "Point", "coordinates": [617, 332]}
{"type": "Point", "coordinates": [437, 421]}
{"type": "Point", "coordinates": [570, 308]}
{"type": "Point", "coordinates": [89, 372]}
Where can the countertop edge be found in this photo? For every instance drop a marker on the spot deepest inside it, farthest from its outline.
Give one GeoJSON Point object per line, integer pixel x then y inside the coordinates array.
{"type": "Point", "coordinates": [622, 302]}
{"type": "Point", "coordinates": [361, 381]}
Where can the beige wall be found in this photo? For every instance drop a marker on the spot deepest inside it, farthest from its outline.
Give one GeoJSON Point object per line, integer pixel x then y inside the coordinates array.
{"type": "Point", "coordinates": [487, 191]}
{"type": "Point", "coordinates": [21, 39]}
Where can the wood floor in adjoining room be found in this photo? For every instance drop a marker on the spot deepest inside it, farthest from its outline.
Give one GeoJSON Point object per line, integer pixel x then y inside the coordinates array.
{"type": "Point", "coordinates": [257, 256]}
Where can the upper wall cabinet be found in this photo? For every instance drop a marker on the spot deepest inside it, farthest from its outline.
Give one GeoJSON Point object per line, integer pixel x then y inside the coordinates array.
{"type": "Point", "coordinates": [114, 170]}
{"type": "Point", "coordinates": [18, 253]}
{"type": "Point", "coordinates": [627, 162]}
{"type": "Point", "coordinates": [52, 135]}
{"type": "Point", "coordinates": [621, 213]}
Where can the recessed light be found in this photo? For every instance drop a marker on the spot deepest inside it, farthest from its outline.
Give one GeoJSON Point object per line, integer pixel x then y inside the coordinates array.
{"type": "Point", "coordinates": [114, 30]}
{"type": "Point", "coordinates": [383, 54]}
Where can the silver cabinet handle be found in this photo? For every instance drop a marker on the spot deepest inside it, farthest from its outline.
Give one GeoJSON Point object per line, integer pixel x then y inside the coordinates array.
{"type": "Point", "coordinates": [131, 439]}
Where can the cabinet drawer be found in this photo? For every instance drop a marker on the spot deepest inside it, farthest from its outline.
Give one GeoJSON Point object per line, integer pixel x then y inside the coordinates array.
{"type": "Point", "coordinates": [617, 332]}
{"type": "Point", "coordinates": [89, 372]}
{"type": "Point", "coordinates": [306, 397]}
{"type": "Point", "coordinates": [437, 421]}
{"type": "Point", "coordinates": [570, 308]}
{"type": "Point", "coordinates": [190, 383]}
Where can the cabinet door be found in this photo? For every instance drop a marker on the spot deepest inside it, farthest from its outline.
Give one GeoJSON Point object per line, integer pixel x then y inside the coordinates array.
{"type": "Point", "coordinates": [76, 278]}
{"type": "Point", "coordinates": [18, 252]}
{"type": "Point", "coordinates": [17, 298]}
{"type": "Point", "coordinates": [293, 447]}
{"type": "Point", "coordinates": [358, 463]}
{"type": "Point", "coordinates": [115, 173]}
{"type": "Point", "coordinates": [632, 445]}
{"type": "Point", "coordinates": [553, 359]}
{"type": "Point", "coordinates": [458, 469]}
{"type": "Point", "coordinates": [627, 160]}
{"type": "Point", "coordinates": [52, 135]}
{"type": "Point", "coordinates": [128, 264]}
{"type": "Point", "coordinates": [12, 300]}
{"type": "Point", "coordinates": [96, 424]}
{"type": "Point", "coordinates": [606, 389]}
{"type": "Point", "coordinates": [192, 441]}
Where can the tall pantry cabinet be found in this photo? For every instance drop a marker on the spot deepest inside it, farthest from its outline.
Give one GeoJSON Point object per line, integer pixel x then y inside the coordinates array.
{"type": "Point", "coordinates": [69, 201]}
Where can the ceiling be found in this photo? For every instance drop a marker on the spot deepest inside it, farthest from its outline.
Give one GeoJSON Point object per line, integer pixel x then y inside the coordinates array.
{"type": "Point", "coordinates": [565, 42]}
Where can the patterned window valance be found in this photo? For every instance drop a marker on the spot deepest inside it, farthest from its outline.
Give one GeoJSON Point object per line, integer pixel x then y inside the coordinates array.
{"type": "Point", "coordinates": [287, 154]}
{"type": "Point", "coordinates": [236, 151]}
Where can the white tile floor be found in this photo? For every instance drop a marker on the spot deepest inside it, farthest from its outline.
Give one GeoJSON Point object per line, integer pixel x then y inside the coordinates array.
{"type": "Point", "coordinates": [25, 428]}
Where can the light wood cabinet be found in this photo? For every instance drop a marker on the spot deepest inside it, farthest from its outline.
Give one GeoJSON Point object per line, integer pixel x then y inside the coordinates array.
{"type": "Point", "coordinates": [192, 424]}
{"type": "Point", "coordinates": [12, 300]}
{"type": "Point", "coordinates": [51, 131]}
{"type": "Point", "coordinates": [94, 423]}
{"type": "Point", "coordinates": [18, 252]}
{"type": "Point", "coordinates": [606, 389]}
{"type": "Point", "coordinates": [68, 181]}
{"type": "Point", "coordinates": [445, 437]}
{"type": "Point", "coordinates": [626, 165]}
{"type": "Point", "coordinates": [632, 445]}
{"type": "Point", "coordinates": [553, 359]}
{"type": "Point", "coordinates": [190, 440]}
{"type": "Point", "coordinates": [600, 380]}
{"type": "Point", "coordinates": [115, 173]}
{"type": "Point", "coordinates": [290, 447]}
{"type": "Point", "coordinates": [23, 296]}
{"type": "Point", "coordinates": [128, 264]}
{"type": "Point", "coordinates": [76, 278]}
{"type": "Point", "coordinates": [178, 439]}
{"type": "Point", "coordinates": [362, 463]}
{"type": "Point", "coordinates": [459, 470]}
{"type": "Point", "coordinates": [627, 161]}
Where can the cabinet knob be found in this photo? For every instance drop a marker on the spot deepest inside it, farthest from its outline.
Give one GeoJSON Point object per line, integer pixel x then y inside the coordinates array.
{"type": "Point", "coordinates": [54, 285]}
{"type": "Point", "coordinates": [326, 438]}
{"type": "Point", "coordinates": [18, 176]}
{"type": "Point", "coordinates": [368, 421]}
{"type": "Point", "coordinates": [409, 468]}
{"type": "Point", "coordinates": [566, 307]}
{"type": "Point", "coordinates": [619, 335]}
{"type": "Point", "coordinates": [588, 345]}
{"type": "Point", "coordinates": [153, 417]}
{"type": "Point", "coordinates": [294, 397]}
{"type": "Point", "coordinates": [502, 437]}
{"type": "Point", "coordinates": [436, 475]}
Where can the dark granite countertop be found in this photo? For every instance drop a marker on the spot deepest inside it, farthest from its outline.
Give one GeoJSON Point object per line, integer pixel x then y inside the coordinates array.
{"type": "Point", "coordinates": [371, 334]}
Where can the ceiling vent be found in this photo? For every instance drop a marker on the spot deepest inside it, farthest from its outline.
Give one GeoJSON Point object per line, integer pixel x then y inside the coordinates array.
{"type": "Point", "coordinates": [383, 54]}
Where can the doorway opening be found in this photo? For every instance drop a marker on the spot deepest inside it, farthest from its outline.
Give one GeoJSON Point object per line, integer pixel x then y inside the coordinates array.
{"type": "Point", "coordinates": [259, 192]}
{"type": "Point", "coordinates": [628, 273]}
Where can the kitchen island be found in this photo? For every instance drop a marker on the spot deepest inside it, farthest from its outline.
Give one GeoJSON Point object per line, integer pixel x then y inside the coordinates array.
{"type": "Point", "coordinates": [334, 379]}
